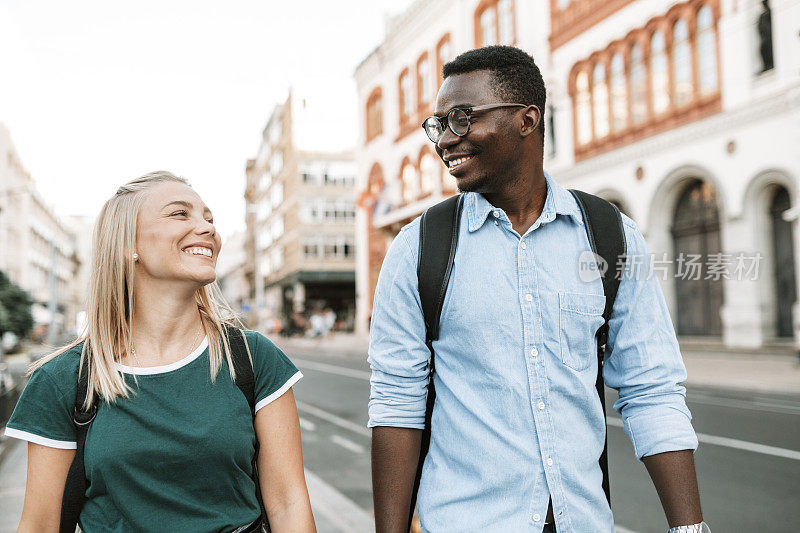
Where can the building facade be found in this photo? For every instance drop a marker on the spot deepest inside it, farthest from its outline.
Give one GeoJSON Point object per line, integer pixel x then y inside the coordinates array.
{"type": "Point", "coordinates": [300, 222]}
{"type": "Point", "coordinates": [684, 114]}
{"type": "Point", "coordinates": [38, 251]}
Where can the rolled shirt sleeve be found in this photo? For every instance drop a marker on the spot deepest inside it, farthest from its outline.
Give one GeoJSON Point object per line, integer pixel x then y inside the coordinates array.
{"type": "Point", "coordinates": [644, 362]}
{"type": "Point", "coordinates": [398, 355]}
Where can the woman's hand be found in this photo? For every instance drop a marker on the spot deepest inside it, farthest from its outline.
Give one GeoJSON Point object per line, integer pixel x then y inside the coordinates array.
{"type": "Point", "coordinates": [280, 467]}
{"type": "Point", "coordinates": [47, 473]}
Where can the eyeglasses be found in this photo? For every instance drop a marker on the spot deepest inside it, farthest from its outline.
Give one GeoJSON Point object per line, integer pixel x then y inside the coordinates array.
{"type": "Point", "coordinates": [458, 120]}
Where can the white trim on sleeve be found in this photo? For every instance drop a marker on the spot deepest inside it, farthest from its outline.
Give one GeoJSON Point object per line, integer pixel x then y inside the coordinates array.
{"type": "Point", "coordinates": [38, 439]}
{"type": "Point", "coordinates": [278, 393]}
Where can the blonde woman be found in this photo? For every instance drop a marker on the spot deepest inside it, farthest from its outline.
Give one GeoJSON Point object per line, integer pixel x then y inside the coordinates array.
{"type": "Point", "coordinates": [172, 445]}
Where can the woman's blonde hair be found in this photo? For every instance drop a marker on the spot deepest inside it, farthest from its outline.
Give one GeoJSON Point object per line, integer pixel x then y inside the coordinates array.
{"type": "Point", "coordinates": [110, 300]}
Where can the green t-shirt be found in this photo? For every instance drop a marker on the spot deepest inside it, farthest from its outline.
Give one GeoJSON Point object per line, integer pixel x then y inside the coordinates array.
{"type": "Point", "coordinates": [176, 455]}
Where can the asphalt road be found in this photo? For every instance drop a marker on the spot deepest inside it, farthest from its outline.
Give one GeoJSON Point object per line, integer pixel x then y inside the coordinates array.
{"type": "Point", "coordinates": [748, 462]}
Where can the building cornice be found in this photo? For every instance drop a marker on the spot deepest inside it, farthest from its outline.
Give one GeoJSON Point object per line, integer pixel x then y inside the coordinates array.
{"type": "Point", "coordinates": [727, 121]}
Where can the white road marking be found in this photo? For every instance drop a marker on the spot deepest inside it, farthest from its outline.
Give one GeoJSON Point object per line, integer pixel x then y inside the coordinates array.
{"type": "Point", "coordinates": [347, 444]}
{"type": "Point", "coordinates": [333, 419]}
{"type": "Point", "coordinates": [732, 443]}
{"type": "Point", "coordinates": [338, 510]}
{"type": "Point", "coordinates": [620, 529]}
{"type": "Point", "coordinates": [308, 425]}
{"type": "Point", "coordinates": [702, 437]}
{"type": "Point", "coordinates": [332, 369]}
{"type": "Point", "coordinates": [771, 406]}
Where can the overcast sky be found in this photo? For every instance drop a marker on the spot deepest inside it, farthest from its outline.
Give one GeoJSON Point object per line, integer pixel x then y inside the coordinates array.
{"type": "Point", "coordinates": [96, 93]}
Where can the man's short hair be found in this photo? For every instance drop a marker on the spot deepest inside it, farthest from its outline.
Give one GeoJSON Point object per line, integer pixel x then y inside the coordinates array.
{"type": "Point", "coordinates": [516, 77]}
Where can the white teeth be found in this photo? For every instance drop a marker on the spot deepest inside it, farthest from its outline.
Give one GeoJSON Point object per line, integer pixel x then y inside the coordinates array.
{"type": "Point", "coordinates": [198, 250]}
{"type": "Point", "coordinates": [459, 161]}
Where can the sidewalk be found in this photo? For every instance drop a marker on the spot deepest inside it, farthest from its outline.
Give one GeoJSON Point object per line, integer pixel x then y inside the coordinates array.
{"type": "Point", "coordinates": [768, 370]}
{"type": "Point", "coordinates": [333, 513]}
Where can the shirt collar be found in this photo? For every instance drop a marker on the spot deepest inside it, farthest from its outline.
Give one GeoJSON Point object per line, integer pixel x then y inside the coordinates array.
{"type": "Point", "coordinates": [559, 201]}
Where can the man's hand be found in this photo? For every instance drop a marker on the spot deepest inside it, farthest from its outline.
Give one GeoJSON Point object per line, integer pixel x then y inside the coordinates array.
{"type": "Point", "coordinates": [395, 456]}
{"type": "Point", "coordinates": [675, 480]}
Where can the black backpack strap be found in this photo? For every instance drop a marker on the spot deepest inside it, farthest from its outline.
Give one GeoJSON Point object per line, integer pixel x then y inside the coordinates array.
{"type": "Point", "coordinates": [246, 381]}
{"type": "Point", "coordinates": [74, 496]}
{"type": "Point", "coordinates": [607, 238]}
{"type": "Point", "coordinates": [438, 239]}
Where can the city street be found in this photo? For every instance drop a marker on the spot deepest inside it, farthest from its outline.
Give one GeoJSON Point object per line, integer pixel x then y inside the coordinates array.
{"type": "Point", "coordinates": [748, 462]}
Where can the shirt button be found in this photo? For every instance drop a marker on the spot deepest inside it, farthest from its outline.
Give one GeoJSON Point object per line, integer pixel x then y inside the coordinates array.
{"type": "Point", "coordinates": [496, 223]}
{"type": "Point", "coordinates": [523, 245]}
{"type": "Point", "coordinates": [496, 214]}
{"type": "Point", "coordinates": [534, 352]}
{"type": "Point", "coordinates": [537, 517]}
{"type": "Point", "coordinates": [541, 406]}
{"type": "Point", "coordinates": [528, 297]}
{"type": "Point", "coordinates": [549, 461]}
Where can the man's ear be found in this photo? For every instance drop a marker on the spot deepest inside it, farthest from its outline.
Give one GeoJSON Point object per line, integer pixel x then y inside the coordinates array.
{"type": "Point", "coordinates": [530, 120]}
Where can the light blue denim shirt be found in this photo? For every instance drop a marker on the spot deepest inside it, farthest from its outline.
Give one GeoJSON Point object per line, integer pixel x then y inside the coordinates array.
{"type": "Point", "coordinates": [517, 418]}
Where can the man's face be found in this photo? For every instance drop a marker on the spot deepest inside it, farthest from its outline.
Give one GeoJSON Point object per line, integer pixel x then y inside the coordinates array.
{"type": "Point", "coordinates": [489, 145]}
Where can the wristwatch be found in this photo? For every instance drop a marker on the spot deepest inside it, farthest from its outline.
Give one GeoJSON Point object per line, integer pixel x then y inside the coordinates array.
{"type": "Point", "coordinates": [702, 527]}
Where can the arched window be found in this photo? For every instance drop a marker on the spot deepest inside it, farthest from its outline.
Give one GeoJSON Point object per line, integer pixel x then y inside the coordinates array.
{"type": "Point", "coordinates": [410, 183]}
{"type": "Point", "coordinates": [706, 51]}
{"type": "Point", "coordinates": [600, 101]}
{"type": "Point", "coordinates": [443, 55]}
{"type": "Point", "coordinates": [429, 173]}
{"type": "Point", "coordinates": [638, 85]}
{"type": "Point", "coordinates": [424, 80]}
{"type": "Point", "coordinates": [682, 88]}
{"type": "Point", "coordinates": [583, 108]}
{"type": "Point", "coordinates": [658, 73]}
{"type": "Point", "coordinates": [374, 114]}
{"type": "Point", "coordinates": [619, 94]}
{"type": "Point", "coordinates": [406, 96]}
{"type": "Point", "coordinates": [488, 22]}
{"type": "Point", "coordinates": [505, 22]}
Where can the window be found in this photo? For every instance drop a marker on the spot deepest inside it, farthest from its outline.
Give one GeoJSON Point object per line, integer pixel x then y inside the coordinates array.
{"type": "Point", "coordinates": [276, 194]}
{"type": "Point", "coordinates": [600, 101]}
{"type": "Point", "coordinates": [428, 168]}
{"type": "Point", "coordinates": [505, 22]}
{"type": "Point", "coordinates": [706, 51]}
{"type": "Point", "coordinates": [563, 4]}
{"type": "Point", "coordinates": [658, 73]}
{"type": "Point", "coordinates": [638, 85]}
{"type": "Point", "coordinates": [443, 55]}
{"type": "Point", "coordinates": [276, 163]}
{"type": "Point", "coordinates": [410, 183]}
{"type": "Point", "coordinates": [276, 258]}
{"type": "Point", "coordinates": [619, 94]}
{"type": "Point", "coordinates": [583, 108]}
{"type": "Point", "coordinates": [374, 114]}
{"type": "Point", "coordinates": [406, 96]}
{"type": "Point", "coordinates": [277, 228]}
{"type": "Point", "coordinates": [424, 80]}
{"type": "Point", "coordinates": [682, 88]}
{"type": "Point", "coordinates": [488, 22]}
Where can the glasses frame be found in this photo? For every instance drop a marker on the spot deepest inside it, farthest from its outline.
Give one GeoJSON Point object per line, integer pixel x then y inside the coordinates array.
{"type": "Point", "coordinates": [446, 121]}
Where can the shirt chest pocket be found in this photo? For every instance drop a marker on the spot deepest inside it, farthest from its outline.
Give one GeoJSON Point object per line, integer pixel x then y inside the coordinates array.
{"type": "Point", "coordinates": [579, 317]}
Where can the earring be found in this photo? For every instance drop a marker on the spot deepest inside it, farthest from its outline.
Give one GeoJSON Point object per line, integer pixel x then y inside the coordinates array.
{"type": "Point", "coordinates": [135, 256]}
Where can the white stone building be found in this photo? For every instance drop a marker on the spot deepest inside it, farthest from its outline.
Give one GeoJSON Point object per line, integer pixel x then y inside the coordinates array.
{"type": "Point", "coordinates": [37, 250]}
{"type": "Point", "coordinates": [685, 114]}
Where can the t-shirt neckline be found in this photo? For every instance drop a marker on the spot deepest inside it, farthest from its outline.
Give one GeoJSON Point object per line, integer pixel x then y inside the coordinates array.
{"type": "Point", "coordinates": [150, 370]}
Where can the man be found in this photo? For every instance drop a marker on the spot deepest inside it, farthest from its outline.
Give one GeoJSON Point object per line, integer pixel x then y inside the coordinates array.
{"type": "Point", "coordinates": [517, 426]}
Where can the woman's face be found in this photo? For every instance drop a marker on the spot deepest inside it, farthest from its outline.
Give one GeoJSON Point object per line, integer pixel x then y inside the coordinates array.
{"type": "Point", "coordinates": [175, 236]}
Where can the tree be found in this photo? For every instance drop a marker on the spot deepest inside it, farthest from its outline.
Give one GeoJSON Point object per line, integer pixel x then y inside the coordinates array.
{"type": "Point", "coordinates": [15, 308]}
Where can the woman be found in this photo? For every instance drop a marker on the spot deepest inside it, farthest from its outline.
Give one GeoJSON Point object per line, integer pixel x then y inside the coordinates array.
{"type": "Point", "coordinates": [172, 444]}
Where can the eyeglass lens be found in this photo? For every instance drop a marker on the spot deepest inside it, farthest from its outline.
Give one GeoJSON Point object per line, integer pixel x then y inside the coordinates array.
{"type": "Point", "coordinates": [457, 120]}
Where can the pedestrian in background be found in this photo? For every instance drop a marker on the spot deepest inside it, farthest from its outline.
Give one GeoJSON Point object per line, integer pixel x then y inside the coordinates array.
{"type": "Point", "coordinates": [517, 426]}
{"type": "Point", "coordinates": [173, 442]}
